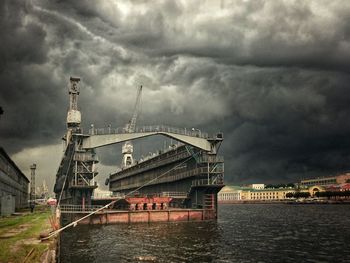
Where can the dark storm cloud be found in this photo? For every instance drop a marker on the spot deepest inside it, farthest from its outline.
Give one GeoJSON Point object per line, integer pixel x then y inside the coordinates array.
{"type": "Point", "coordinates": [288, 123]}
{"type": "Point", "coordinates": [263, 33]}
{"type": "Point", "coordinates": [29, 93]}
{"type": "Point", "coordinates": [272, 75]}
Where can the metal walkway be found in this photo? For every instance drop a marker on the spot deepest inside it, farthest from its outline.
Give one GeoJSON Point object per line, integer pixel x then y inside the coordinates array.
{"type": "Point", "coordinates": [154, 128]}
{"type": "Point", "coordinates": [71, 209]}
{"type": "Point", "coordinates": [102, 137]}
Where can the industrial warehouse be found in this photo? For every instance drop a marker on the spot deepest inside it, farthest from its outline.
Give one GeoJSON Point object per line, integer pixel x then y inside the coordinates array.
{"type": "Point", "coordinates": [13, 185]}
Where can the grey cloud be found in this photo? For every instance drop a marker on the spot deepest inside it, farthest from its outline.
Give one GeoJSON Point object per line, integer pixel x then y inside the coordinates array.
{"type": "Point", "coordinates": [264, 33]}
{"type": "Point", "coordinates": [272, 75]}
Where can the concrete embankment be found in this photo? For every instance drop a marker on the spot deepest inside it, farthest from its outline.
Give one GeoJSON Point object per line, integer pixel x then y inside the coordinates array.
{"type": "Point", "coordinates": [20, 237]}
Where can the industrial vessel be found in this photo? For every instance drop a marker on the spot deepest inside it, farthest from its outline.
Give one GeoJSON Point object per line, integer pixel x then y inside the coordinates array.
{"type": "Point", "coordinates": [186, 177]}
{"type": "Point", "coordinates": [180, 183]}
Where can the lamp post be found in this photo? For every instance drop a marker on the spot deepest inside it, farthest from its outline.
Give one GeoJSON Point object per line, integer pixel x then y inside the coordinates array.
{"type": "Point", "coordinates": [32, 187]}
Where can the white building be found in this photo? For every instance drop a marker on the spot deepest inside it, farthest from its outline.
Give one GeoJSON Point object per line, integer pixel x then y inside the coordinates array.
{"type": "Point", "coordinates": [269, 194]}
{"type": "Point", "coordinates": [229, 194]}
{"type": "Point", "coordinates": [257, 186]}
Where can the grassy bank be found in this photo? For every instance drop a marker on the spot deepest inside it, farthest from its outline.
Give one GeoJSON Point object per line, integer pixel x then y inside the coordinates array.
{"type": "Point", "coordinates": [19, 236]}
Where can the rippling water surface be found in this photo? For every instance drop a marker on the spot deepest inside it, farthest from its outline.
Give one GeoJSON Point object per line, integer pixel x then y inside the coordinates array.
{"type": "Point", "coordinates": [243, 233]}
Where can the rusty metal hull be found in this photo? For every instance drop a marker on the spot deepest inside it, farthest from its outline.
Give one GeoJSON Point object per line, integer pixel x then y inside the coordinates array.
{"type": "Point", "coordinates": [146, 216]}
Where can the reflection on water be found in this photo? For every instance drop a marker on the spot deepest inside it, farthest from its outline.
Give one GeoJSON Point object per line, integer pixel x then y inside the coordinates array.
{"type": "Point", "coordinates": [243, 233]}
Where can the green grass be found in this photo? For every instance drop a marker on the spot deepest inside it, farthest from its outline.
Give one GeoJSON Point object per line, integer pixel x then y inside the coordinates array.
{"type": "Point", "coordinates": [12, 250]}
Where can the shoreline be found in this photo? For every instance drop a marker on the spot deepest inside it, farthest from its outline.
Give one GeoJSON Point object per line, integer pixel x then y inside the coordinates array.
{"type": "Point", "coordinates": [20, 237]}
{"type": "Point", "coordinates": [288, 202]}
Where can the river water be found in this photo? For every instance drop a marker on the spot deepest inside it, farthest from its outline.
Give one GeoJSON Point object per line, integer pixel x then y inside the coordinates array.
{"type": "Point", "coordinates": [243, 233]}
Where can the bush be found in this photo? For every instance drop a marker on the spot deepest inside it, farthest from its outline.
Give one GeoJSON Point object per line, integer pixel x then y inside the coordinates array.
{"type": "Point", "coordinates": [298, 195]}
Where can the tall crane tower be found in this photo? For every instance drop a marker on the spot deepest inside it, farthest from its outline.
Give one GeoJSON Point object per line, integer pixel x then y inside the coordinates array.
{"type": "Point", "coordinates": [75, 178]}
{"type": "Point", "coordinates": [73, 114]}
{"type": "Point", "coordinates": [127, 148]}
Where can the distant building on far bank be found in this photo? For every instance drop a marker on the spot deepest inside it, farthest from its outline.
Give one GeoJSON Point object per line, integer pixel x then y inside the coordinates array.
{"type": "Point", "coordinates": [269, 194]}
{"type": "Point", "coordinates": [13, 185]}
{"type": "Point", "coordinates": [326, 181]}
{"type": "Point", "coordinates": [257, 186]}
{"type": "Point", "coordinates": [42, 191]}
{"type": "Point", "coordinates": [337, 185]}
{"type": "Point", "coordinates": [231, 194]}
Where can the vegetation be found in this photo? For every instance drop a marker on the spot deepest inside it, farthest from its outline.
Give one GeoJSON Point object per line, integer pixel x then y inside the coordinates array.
{"type": "Point", "coordinates": [298, 195]}
{"type": "Point", "coordinates": [328, 194]}
{"type": "Point", "coordinates": [277, 186]}
{"type": "Point", "coordinates": [19, 236]}
{"type": "Point", "coordinates": [333, 194]}
{"type": "Point", "coordinates": [290, 195]}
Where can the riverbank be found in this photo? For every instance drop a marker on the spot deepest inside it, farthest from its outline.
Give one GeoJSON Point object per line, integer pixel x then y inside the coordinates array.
{"type": "Point", "coordinates": [20, 237]}
{"type": "Point", "coordinates": [301, 201]}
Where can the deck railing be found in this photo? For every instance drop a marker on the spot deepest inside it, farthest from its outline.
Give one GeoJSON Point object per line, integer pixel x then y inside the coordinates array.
{"type": "Point", "coordinates": [174, 194]}
{"type": "Point", "coordinates": [154, 128]}
{"type": "Point", "coordinates": [211, 181]}
{"type": "Point", "coordinates": [79, 208]}
{"type": "Point", "coordinates": [211, 159]}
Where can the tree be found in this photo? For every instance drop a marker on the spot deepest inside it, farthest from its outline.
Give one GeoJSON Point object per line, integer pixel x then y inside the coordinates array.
{"type": "Point", "coordinates": [290, 195]}
{"type": "Point", "coordinates": [301, 194]}
{"type": "Point", "coordinates": [290, 185]}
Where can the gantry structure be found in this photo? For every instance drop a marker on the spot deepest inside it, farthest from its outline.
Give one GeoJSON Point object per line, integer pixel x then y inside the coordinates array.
{"type": "Point", "coordinates": [75, 178]}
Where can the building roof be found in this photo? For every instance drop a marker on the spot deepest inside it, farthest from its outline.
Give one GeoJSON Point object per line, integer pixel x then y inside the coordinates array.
{"type": "Point", "coordinates": [332, 187]}
{"type": "Point", "coordinates": [325, 177]}
{"type": "Point", "coordinates": [3, 152]}
{"type": "Point", "coordinates": [230, 188]}
{"type": "Point", "coordinates": [319, 179]}
{"type": "Point", "coordinates": [272, 189]}
{"type": "Point", "coordinates": [345, 186]}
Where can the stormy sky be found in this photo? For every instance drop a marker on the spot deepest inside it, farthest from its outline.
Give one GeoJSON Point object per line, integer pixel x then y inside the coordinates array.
{"type": "Point", "coordinates": [272, 75]}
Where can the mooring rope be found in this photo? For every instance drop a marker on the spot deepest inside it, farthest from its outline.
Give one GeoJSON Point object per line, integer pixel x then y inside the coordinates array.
{"type": "Point", "coordinates": [74, 223]}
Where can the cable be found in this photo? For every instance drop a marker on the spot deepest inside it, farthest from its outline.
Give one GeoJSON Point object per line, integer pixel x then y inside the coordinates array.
{"type": "Point", "coordinates": [74, 223]}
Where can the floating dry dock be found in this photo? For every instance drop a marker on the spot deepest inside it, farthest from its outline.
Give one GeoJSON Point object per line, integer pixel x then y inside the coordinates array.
{"type": "Point", "coordinates": [178, 183]}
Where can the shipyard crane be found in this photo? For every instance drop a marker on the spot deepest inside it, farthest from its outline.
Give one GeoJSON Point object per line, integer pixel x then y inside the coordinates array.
{"type": "Point", "coordinates": [127, 148]}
